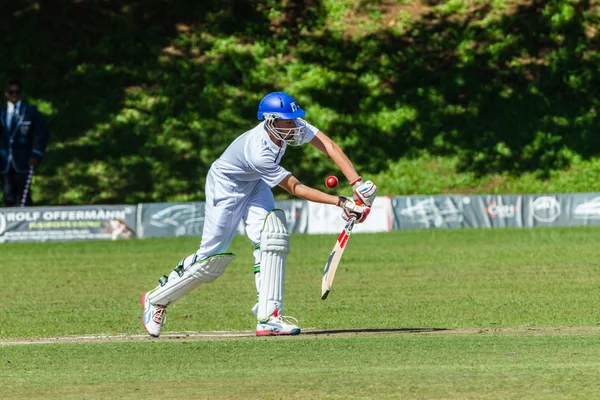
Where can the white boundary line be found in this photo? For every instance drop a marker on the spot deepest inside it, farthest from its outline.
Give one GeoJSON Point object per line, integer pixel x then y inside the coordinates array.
{"type": "Point", "coordinates": [173, 336]}
{"type": "Point", "coordinates": [196, 336]}
{"type": "Point", "coordinates": [125, 338]}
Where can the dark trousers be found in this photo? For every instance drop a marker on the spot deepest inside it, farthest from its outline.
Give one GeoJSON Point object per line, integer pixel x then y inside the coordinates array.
{"type": "Point", "coordinates": [13, 185]}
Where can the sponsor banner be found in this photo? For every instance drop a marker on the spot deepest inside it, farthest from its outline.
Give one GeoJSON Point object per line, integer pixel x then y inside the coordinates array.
{"type": "Point", "coordinates": [170, 219]}
{"type": "Point", "coordinates": [412, 212]}
{"type": "Point", "coordinates": [496, 211]}
{"type": "Point", "coordinates": [545, 210]}
{"type": "Point", "coordinates": [41, 224]}
{"type": "Point", "coordinates": [585, 208]}
{"type": "Point", "coordinates": [493, 211]}
{"type": "Point", "coordinates": [187, 219]}
{"type": "Point", "coordinates": [401, 212]}
{"type": "Point", "coordinates": [575, 209]}
{"type": "Point", "coordinates": [325, 218]}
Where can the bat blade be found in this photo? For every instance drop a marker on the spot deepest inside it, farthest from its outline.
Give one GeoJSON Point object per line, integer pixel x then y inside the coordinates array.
{"type": "Point", "coordinates": [334, 259]}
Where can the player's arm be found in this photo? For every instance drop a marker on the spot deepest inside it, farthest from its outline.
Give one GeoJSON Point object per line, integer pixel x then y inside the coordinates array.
{"type": "Point", "coordinates": [363, 191]}
{"type": "Point", "coordinates": [350, 207]}
{"type": "Point", "coordinates": [327, 146]}
{"type": "Point", "coordinates": [293, 186]}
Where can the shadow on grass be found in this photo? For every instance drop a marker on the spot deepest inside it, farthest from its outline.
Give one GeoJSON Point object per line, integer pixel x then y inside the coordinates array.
{"type": "Point", "coordinates": [372, 330]}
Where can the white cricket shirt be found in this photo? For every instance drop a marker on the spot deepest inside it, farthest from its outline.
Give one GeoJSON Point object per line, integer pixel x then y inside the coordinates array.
{"type": "Point", "coordinates": [253, 156]}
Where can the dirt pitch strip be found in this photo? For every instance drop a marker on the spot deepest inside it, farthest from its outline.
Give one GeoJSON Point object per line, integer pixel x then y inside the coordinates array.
{"type": "Point", "coordinates": [199, 336]}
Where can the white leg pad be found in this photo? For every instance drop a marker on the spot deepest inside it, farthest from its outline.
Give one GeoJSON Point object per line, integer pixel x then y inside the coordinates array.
{"type": "Point", "coordinates": [185, 280]}
{"type": "Point", "coordinates": [274, 246]}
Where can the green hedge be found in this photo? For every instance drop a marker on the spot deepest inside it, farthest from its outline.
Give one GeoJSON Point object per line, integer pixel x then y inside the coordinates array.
{"type": "Point", "coordinates": [425, 96]}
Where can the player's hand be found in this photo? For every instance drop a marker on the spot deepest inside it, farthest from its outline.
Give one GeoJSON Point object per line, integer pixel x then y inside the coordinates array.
{"type": "Point", "coordinates": [353, 209]}
{"type": "Point", "coordinates": [364, 191]}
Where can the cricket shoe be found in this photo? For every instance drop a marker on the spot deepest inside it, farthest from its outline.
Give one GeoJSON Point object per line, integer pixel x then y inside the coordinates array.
{"type": "Point", "coordinates": [277, 325]}
{"type": "Point", "coordinates": [154, 316]}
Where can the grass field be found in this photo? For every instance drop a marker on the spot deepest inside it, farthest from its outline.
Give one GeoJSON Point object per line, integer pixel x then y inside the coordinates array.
{"type": "Point", "coordinates": [438, 314]}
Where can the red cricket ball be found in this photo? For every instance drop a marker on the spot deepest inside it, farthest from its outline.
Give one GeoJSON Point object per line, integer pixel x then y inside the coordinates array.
{"type": "Point", "coordinates": [331, 182]}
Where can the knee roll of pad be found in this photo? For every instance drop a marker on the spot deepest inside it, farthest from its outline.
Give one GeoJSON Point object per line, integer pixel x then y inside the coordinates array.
{"type": "Point", "coordinates": [274, 236]}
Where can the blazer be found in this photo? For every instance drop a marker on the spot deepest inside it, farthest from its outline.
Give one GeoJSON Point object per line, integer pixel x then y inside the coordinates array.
{"type": "Point", "coordinates": [17, 144]}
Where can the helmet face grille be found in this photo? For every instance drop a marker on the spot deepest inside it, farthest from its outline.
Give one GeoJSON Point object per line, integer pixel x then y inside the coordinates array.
{"type": "Point", "coordinates": [291, 136]}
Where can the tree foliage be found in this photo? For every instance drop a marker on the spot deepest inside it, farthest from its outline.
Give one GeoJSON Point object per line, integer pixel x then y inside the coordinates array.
{"type": "Point", "coordinates": [142, 96]}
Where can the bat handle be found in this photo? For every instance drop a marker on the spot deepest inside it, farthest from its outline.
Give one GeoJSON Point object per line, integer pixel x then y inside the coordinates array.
{"type": "Point", "coordinates": [358, 203]}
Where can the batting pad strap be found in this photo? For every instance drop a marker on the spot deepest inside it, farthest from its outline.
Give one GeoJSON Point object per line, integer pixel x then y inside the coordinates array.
{"type": "Point", "coordinates": [203, 271]}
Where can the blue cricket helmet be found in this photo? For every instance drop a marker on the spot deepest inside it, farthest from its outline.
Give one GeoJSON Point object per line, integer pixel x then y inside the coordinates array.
{"type": "Point", "coordinates": [280, 105]}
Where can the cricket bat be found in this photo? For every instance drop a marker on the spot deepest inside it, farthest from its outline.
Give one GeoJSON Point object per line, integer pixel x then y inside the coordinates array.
{"type": "Point", "coordinates": [334, 258]}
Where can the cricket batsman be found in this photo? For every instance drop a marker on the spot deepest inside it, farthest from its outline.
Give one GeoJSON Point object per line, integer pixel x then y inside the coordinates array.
{"type": "Point", "coordinates": [238, 188]}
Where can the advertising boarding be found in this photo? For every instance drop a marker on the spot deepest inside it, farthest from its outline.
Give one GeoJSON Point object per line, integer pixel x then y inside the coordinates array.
{"type": "Point", "coordinates": [42, 224]}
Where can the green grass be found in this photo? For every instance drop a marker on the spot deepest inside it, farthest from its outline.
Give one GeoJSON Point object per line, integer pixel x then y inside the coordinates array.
{"type": "Point", "coordinates": [411, 366]}
{"type": "Point", "coordinates": [474, 313]}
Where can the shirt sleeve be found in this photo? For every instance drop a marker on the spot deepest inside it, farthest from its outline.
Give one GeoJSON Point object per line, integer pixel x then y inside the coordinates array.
{"type": "Point", "coordinates": [311, 132]}
{"type": "Point", "coordinates": [265, 165]}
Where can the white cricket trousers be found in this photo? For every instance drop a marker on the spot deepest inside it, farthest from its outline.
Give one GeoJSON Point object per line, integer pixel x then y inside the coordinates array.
{"type": "Point", "coordinates": [227, 203]}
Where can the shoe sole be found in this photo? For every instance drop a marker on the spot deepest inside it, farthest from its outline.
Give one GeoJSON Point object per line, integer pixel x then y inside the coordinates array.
{"type": "Point", "coordinates": [144, 296]}
{"type": "Point", "coordinates": [273, 333]}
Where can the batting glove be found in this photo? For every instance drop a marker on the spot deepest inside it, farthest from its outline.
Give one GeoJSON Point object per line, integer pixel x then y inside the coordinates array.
{"type": "Point", "coordinates": [364, 191]}
{"type": "Point", "coordinates": [353, 209]}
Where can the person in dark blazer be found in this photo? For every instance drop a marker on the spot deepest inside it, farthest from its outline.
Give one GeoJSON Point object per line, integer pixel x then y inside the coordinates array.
{"type": "Point", "coordinates": [23, 140]}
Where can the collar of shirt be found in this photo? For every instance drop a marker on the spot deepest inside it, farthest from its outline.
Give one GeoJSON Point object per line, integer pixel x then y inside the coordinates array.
{"type": "Point", "coordinates": [10, 107]}
{"type": "Point", "coordinates": [272, 145]}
